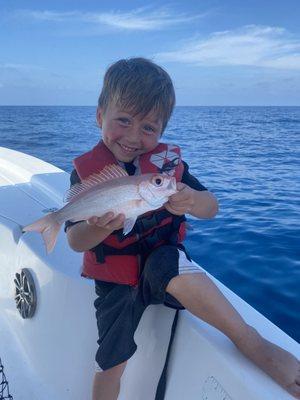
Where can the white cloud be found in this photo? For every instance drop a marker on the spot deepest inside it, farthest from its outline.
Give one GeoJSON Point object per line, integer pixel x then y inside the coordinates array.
{"type": "Point", "coordinates": [260, 46]}
{"type": "Point", "coordinates": [142, 19]}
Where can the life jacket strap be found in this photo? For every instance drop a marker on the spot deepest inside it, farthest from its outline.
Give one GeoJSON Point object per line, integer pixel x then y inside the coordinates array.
{"type": "Point", "coordinates": [167, 233]}
{"type": "Point", "coordinates": [144, 224]}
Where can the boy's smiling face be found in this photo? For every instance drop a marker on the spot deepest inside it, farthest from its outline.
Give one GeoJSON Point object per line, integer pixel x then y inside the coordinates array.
{"type": "Point", "coordinates": [126, 135]}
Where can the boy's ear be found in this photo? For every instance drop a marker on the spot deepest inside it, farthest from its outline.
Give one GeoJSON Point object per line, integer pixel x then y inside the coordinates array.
{"type": "Point", "coordinates": [99, 114]}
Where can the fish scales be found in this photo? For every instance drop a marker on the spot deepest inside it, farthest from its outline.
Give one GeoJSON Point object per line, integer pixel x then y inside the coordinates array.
{"type": "Point", "coordinates": [97, 195]}
{"type": "Point", "coordinates": [101, 201]}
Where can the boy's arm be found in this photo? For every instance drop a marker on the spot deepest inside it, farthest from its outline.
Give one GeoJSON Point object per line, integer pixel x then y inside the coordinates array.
{"type": "Point", "coordinates": [190, 201]}
{"type": "Point", "coordinates": [205, 205]}
{"type": "Point", "coordinates": [85, 235]}
{"type": "Point", "coordinates": [192, 198]}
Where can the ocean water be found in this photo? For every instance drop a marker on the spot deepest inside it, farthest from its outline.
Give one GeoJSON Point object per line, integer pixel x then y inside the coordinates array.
{"type": "Point", "coordinates": [247, 156]}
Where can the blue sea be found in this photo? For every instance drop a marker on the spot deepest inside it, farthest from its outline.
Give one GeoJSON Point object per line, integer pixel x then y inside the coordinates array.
{"type": "Point", "coordinates": [247, 156]}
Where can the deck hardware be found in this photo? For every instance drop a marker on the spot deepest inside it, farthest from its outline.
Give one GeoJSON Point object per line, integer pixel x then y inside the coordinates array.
{"type": "Point", "coordinates": [25, 293]}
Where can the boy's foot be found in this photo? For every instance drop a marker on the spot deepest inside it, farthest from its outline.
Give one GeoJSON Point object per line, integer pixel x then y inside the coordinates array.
{"type": "Point", "coordinates": [281, 365]}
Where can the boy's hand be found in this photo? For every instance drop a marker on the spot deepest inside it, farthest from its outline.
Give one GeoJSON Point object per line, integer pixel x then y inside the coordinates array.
{"type": "Point", "coordinates": [181, 202]}
{"type": "Point", "coordinates": [108, 221]}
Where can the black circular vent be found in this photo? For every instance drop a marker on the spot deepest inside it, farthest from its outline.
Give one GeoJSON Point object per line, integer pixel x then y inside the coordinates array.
{"type": "Point", "coordinates": [25, 293]}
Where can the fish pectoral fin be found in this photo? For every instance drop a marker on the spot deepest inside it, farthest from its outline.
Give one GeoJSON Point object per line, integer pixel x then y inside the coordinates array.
{"type": "Point", "coordinates": [128, 225]}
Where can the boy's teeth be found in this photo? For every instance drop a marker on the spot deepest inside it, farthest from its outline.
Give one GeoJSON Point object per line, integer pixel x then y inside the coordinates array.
{"type": "Point", "coordinates": [127, 148]}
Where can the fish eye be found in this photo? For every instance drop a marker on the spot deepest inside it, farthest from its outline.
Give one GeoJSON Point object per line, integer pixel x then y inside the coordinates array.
{"type": "Point", "coordinates": [158, 181]}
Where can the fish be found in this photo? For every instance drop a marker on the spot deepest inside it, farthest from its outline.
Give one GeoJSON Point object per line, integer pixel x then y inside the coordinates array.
{"type": "Point", "coordinates": [110, 190]}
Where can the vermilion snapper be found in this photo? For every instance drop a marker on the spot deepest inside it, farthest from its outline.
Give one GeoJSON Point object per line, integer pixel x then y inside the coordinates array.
{"type": "Point", "coordinates": [111, 190]}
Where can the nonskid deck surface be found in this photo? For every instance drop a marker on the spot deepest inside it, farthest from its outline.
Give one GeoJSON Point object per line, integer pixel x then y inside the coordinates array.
{"type": "Point", "coordinates": [51, 355]}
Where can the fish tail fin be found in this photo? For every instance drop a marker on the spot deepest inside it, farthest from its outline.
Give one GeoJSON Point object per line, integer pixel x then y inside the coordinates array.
{"type": "Point", "coordinates": [49, 229]}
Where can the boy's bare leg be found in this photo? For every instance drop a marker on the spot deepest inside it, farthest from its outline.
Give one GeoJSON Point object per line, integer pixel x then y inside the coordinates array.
{"type": "Point", "coordinates": [198, 294]}
{"type": "Point", "coordinates": [107, 383]}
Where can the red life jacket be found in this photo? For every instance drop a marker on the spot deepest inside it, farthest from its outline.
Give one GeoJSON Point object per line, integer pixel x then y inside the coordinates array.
{"type": "Point", "coordinates": [117, 259]}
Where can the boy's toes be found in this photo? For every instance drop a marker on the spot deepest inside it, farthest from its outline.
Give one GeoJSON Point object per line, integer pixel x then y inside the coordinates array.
{"type": "Point", "coordinates": [294, 390]}
{"type": "Point", "coordinates": [297, 380]}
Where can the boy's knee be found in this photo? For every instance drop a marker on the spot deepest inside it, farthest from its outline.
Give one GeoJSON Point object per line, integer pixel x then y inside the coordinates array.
{"type": "Point", "coordinates": [157, 273]}
{"type": "Point", "coordinates": [112, 373]}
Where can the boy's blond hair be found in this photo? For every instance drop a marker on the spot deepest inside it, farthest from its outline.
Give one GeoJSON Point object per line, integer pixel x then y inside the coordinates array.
{"type": "Point", "coordinates": [139, 86]}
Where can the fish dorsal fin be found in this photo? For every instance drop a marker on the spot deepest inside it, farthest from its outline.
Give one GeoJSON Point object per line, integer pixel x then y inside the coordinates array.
{"type": "Point", "coordinates": [108, 173]}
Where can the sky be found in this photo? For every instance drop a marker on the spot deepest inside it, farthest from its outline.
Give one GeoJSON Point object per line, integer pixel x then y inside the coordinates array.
{"type": "Point", "coordinates": [217, 52]}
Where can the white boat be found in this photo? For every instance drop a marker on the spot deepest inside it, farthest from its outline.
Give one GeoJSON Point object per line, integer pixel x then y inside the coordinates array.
{"type": "Point", "coordinates": [49, 355]}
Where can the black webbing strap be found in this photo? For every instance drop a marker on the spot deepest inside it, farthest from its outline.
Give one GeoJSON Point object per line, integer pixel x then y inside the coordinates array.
{"type": "Point", "coordinates": [143, 246]}
{"type": "Point", "coordinates": [161, 387]}
{"type": "Point", "coordinates": [147, 222]}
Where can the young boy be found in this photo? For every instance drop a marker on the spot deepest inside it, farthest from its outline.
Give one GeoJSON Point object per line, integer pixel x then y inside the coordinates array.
{"type": "Point", "coordinates": [132, 272]}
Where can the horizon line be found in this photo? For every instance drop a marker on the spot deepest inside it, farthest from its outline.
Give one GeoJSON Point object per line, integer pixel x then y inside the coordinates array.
{"type": "Point", "coordinates": [200, 105]}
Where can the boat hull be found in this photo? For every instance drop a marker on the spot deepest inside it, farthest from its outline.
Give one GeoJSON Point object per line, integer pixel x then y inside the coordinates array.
{"type": "Point", "coordinates": [51, 355]}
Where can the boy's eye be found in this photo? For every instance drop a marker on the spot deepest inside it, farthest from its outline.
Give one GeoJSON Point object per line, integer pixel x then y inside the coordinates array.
{"type": "Point", "coordinates": [149, 129]}
{"type": "Point", "coordinates": [124, 121]}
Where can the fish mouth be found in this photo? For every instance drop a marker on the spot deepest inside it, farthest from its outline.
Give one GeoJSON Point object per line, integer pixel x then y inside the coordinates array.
{"type": "Point", "coordinates": [172, 185]}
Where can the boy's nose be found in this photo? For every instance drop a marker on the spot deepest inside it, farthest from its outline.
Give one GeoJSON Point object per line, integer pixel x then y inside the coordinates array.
{"type": "Point", "coordinates": [134, 135]}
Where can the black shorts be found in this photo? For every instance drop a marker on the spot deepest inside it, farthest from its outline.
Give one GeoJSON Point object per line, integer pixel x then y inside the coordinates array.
{"type": "Point", "coordinates": [119, 308]}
